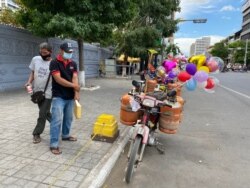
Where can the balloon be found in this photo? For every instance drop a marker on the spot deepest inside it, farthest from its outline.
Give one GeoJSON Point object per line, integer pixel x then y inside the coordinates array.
{"type": "Point", "coordinates": [210, 83]}
{"type": "Point", "coordinates": [184, 76]}
{"type": "Point", "coordinates": [199, 60]}
{"type": "Point", "coordinates": [209, 90]}
{"type": "Point", "coordinates": [200, 76]}
{"type": "Point", "coordinates": [212, 65]}
{"type": "Point", "coordinates": [169, 65]}
{"type": "Point", "coordinates": [204, 68]}
{"type": "Point", "coordinates": [160, 71]}
{"type": "Point", "coordinates": [172, 74]}
{"type": "Point", "coordinates": [191, 85]}
{"type": "Point", "coordinates": [202, 84]}
{"type": "Point", "coordinates": [219, 61]}
{"type": "Point", "coordinates": [191, 68]}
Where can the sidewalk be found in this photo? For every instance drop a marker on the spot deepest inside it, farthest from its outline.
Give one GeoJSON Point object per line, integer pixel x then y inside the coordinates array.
{"type": "Point", "coordinates": [24, 164]}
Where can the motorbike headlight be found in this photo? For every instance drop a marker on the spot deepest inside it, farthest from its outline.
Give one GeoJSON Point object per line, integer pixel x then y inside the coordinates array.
{"type": "Point", "coordinates": [148, 103]}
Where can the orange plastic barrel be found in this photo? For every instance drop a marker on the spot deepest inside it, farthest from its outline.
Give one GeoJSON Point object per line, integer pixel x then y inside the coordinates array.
{"type": "Point", "coordinates": [170, 118]}
{"type": "Point", "coordinates": [177, 86]}
{"type": "Point", "coordinates": [127, 116]}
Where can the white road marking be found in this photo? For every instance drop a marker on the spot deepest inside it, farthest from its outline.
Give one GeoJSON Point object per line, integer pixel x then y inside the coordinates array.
{"type": "Point", "coordinates": [241, 94]}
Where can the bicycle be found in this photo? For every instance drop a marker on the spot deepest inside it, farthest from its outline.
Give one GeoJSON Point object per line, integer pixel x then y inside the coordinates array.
{"type": "Point", "coordinates": [145, 127]}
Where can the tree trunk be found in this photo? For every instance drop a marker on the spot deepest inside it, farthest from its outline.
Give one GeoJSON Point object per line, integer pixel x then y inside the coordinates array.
{"type": "Point", "coordinates": [80, 49]}
{"type": "Point", "coordinates": [81, 62]}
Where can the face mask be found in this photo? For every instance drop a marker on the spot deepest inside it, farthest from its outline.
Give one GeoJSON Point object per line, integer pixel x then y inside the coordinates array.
{"type": "Point", "coordinates": [67, 55]}
{"type": "Point", "coordinates": [45, 57]}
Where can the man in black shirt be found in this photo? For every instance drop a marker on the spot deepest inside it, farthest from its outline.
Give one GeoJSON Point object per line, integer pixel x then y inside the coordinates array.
{"type": "Point", "coordinates": [65, 89]}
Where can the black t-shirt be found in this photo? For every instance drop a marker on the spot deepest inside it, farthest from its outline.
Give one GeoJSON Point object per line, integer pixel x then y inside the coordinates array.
{"type": "Point", "coordinates": [66, 70]}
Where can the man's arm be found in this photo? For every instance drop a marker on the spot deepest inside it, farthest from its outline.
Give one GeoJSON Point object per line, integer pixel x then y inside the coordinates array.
{"type": "Point", "coordinates": [75, 81]}
{"type": "Point", "coordinates": [66, 83]}
{"type": "Point", "coordinates": [31, 78]}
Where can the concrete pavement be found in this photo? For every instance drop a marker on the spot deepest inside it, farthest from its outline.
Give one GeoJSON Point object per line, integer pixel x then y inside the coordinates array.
{"type": "Point", "coordinates": [24, 164]}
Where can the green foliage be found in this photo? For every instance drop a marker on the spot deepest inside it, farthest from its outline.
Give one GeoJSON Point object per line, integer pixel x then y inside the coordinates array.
{"type": "Point", "coordinates": [82, 19]}
{"type": "Point", "coordinates": [137, 42]}
{"type": "Point", "coordinates": [173, 48]}
{"type": "Point", "coordinates": [220, 50]}
{"type": "Point", "coordinates": [8, 16]}
{"type": "Point", "coordinates": [237, 50]}
{"type": "Point", "coordinates": [152, 23]}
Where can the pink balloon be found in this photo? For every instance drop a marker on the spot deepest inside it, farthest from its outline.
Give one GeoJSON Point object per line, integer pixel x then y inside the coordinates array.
{"type": "Point", "coordinates": [169, 65]}
{"type": "Point", "coordinates": [212, 65]}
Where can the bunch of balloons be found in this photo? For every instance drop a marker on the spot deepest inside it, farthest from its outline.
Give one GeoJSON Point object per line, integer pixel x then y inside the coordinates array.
{"type": "Point", "coordinates": [167, 71]}
{"type": "Point", "coordinates": [197, 73]}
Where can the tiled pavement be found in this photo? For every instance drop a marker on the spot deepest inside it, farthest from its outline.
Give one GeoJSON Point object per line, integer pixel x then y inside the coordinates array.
{"type": "Point", "coordinates": [24, 164]}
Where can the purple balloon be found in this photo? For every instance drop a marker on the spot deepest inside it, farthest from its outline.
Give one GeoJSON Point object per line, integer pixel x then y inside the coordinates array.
{"type": "Point", "coordinates": [200, 76]}
{"type": "Point", "coordinates": [172, 74]}
{"type": "Point", "coordinates": [191, 68]}
{"type": "Point", "coordinates": [168, 65]}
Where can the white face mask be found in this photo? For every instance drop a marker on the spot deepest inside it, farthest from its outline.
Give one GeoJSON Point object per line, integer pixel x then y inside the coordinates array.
{"type": "Point", "coordinates": [67, 55]}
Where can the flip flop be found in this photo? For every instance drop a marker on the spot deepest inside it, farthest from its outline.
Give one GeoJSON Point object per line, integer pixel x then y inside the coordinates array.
{"type": "Point", "coordinates": [70, 138]}
{"type": "Point", "coordinates": [55, 151]}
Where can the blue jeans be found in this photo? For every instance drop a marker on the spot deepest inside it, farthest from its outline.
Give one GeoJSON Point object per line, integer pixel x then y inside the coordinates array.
{"type": "Point", "coordinates": [62, 116]}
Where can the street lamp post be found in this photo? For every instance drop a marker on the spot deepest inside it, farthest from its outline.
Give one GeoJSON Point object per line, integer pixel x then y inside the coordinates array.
{"type": "Point", "coordinates": [198, 21]}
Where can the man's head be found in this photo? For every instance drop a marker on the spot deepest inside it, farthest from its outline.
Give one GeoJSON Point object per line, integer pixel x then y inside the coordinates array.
{"type": "Point", "coordinates": [45, 51]}
{"type": "Point", "coordinates": [66, 50]}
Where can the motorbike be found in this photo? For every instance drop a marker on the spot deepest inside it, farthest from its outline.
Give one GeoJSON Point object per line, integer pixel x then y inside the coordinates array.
{"type": "Point", "coordinates": [144, 130]}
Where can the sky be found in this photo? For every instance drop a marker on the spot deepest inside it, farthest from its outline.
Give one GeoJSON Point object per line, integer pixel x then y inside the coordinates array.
{"type": "Point", "coordinates": [224, 18]}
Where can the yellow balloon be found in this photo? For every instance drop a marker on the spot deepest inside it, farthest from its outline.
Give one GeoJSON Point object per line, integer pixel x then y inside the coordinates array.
{"type": "Point", "coordinates": [198, 60]}
{"type": "Point", "coordinates": [204, 68]}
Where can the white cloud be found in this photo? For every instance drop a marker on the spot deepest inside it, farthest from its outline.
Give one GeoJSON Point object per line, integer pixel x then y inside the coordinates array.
{"type": "Point", "coordinates": [191, 7]}
{"type": "Point", "coordinates": [229, 8]}
{"type": "Point", "coordinates": [226, 18]}
{"type": "Point", "coordinates": [185, 43]}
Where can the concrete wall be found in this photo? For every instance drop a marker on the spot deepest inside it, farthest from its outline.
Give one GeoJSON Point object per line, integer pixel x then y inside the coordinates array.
{"type": "Point", "coordinates": [17, 47]}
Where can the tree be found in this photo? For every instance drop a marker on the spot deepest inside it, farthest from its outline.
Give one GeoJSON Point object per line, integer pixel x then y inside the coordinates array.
{"type": "Point", "coordinates": [173, 48]}
{"type": "Point", "coordinates": [237, 49]}
{"type": "Point", "coordinates": [8, 16]}
{"type": "Point", "coordinates": [150, 25]}
{"type": "Point", "coordinates": [220, 50]}
{"type": "Point", "coordinates": [77, 19]}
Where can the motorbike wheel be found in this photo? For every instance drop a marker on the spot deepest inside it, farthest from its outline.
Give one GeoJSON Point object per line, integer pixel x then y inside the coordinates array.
{"type": "Point", "coordinates": [133, 159]}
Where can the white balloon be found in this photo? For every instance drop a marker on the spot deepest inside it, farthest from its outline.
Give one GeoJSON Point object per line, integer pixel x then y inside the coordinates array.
{"type": "Point", "coordinates": [202, 84]}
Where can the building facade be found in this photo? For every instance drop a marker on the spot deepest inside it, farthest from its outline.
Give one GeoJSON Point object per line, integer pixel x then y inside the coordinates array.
{"type": "Point", "coordinates": [200, 46]}
{"type": "Point", "coordinates": [192, 49]}
{"type": "Point", "coordinates": [245, 33]}
{"type": "Point", "coordinates": [8, 4]}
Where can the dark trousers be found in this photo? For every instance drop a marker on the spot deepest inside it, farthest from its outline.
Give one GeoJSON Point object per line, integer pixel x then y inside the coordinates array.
{"type": "Point", "coordinates": [44, 114]}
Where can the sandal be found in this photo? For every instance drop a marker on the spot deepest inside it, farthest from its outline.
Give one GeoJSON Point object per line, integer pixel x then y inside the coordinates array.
{"type": "Point", "coordinates": [70, 138]}
{"type": "Point", "coordinates": [55, 151]}
{"type": "Point", "coordinates": [36, 139]}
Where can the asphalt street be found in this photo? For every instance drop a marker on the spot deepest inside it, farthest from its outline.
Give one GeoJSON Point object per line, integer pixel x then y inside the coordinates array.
{"type": "Point", "coordinates": [211, 148]}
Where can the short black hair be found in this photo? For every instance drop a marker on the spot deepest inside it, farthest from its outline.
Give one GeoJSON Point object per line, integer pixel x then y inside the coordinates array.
{"type": "Point", "coordinates": [46, 46]}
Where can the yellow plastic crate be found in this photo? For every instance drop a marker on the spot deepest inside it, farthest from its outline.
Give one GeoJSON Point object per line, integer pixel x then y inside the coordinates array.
{"type": "Point", "coordinates": [105, 125]}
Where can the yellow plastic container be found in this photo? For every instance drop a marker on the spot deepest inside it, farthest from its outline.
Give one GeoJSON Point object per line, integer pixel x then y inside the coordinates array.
{"type": "Point", "coordinates": [105, 125]}
{"type": "Point", "coordinates": [77, 110]}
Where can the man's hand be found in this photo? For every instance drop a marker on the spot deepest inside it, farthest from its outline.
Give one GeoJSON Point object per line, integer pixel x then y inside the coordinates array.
{"type": "Point", "coordinates": [77, 95]}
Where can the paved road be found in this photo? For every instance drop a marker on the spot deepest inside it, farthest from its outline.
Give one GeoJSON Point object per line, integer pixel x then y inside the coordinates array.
{"type": "Point", "coordinates": [211, 149]}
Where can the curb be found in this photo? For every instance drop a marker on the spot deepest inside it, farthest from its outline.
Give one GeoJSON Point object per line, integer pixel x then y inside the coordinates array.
{"type": "Point", "coordinates": [90, 88]}
{"type": "Point", "coordinates": [100, 172]}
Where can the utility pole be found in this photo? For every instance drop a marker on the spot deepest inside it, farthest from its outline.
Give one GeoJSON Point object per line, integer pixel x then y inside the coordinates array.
{"type": "Point", "coordinates": [245, 58]}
